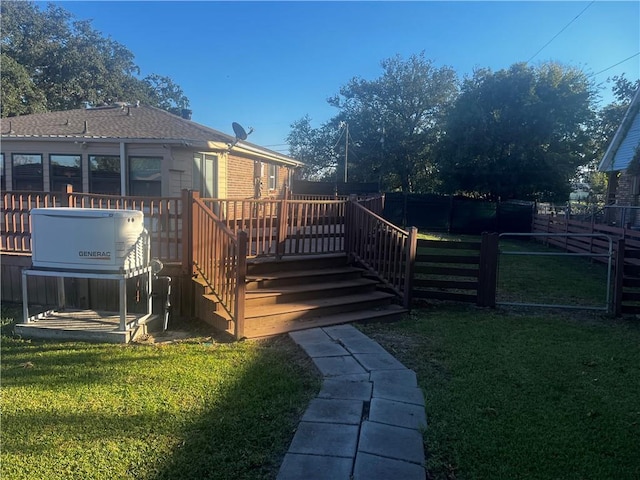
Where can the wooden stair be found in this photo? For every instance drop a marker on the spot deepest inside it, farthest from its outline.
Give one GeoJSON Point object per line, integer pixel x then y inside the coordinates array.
{"type": "Point", "coordinates": [297, 293]}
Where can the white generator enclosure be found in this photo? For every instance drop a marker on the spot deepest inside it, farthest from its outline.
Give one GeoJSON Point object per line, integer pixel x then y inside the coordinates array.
{"type": "Point", "coordinates": [89, 239]}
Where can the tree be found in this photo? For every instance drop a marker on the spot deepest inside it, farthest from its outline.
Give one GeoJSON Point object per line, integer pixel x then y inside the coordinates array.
{"type": "Point", "coordinates": [393, 123]}
{"type": "Point", "coordinates": [518, 133]}
{"type": "Point", "coordinates": [62, 63]}
{"type": "Point", "coordinates": [314, 147]}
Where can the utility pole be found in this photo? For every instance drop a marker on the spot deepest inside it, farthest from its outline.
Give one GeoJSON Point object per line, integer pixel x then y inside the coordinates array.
{"type": "Point", "coordinates": [346, 151]}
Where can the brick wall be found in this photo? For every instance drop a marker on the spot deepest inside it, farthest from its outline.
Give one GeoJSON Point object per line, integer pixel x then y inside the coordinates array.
{"type": "Point", "coordinates": [240, 175]}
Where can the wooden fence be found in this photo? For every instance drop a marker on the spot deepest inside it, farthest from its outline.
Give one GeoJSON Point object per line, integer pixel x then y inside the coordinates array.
{"type": "Point", "coordinates": [457, 271]}
{"type": "Point", "coordinates": [626, 244]}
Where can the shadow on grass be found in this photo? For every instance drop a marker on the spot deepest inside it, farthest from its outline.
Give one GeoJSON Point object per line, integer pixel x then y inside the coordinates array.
{"type": "Point", "coordinates": [176, 411]}
{"type": "Point", "coordinates": [245, 434]}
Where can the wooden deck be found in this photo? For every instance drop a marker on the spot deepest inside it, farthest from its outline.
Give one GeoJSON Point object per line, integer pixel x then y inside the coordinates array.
{"type": "Point", "coordinates": [88, 326]}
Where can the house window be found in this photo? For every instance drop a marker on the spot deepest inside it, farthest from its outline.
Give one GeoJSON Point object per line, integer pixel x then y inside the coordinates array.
{"type": "Point", "coordinates": [145, 176]}
{"type": "Point", "coordinates": [205, 175]}
{"type": "Point", "coordinates": [65, 170]}
{"type": "Point", "coordinates": [104, 174]}
{"type": "Point", "coordinates": [27, 172]}
{"type": "Point", "coordinates": [272, 174]}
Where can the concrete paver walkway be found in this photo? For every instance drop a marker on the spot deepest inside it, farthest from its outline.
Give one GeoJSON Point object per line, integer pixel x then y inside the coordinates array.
{"type": "Point", "coordinates": [366, 421]}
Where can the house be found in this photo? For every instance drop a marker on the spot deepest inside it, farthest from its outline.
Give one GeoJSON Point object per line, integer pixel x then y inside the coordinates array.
{"type": "Point", "coordinates": [135, 150]}
{"type": "Point", "coordinates": [622, 163]}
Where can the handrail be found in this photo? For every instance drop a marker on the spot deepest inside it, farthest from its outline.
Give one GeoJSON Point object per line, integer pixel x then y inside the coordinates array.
{"type": "Point", "coordinates": [284, 227]}
{"type": "Point", "coordinates": [220, 260]}
{"type": "Point", "coordinates": [162, 217]}
{"type": "Point", "coordinates": [384, 249]}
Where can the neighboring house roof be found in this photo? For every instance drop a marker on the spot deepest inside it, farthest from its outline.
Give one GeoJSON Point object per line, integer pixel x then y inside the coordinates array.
{"type": "Point", "coordinates": [132, 124]}
{"type": "Point", "coordinates": [626, 140]}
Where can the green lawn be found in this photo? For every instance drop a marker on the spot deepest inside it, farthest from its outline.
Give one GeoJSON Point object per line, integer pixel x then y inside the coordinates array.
{"type": "Point", "coordinates": [189, 410]}
{"type": "Point", "coordinates": [524, 394]}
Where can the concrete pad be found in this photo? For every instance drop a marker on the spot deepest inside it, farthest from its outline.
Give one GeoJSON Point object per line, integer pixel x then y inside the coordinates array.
{"type": "Point", "coordinates": [345, 332]}
{"type": "Point", "coordinates": [397, 413]}
{"type": "Point", "coordinates": [358, 345]}
{"type": "Point", "coordinates": [330, 439]}
{"type": "Point", "coordinates": [313, 335]}
{"type": "Point", "coordinates": [323, 349]}
{"type": "Point", "coordinates": [391, 442]}
{"type": "Point", "coordinates": [378, 361]}
{"type": "Point", "coordinates": [331, 410]}
{"type": "Point", "coordinates": [405, 378]}
{"type": "Point", "coordinates": [314, 467]}
{"type": "Point", "coordinates": [372, 467]}
{"type": "Point", "coordinates": [335, 366]}
{"type": "Point", "coordinates": [340, 387]}
{"type": "Point", "coordinates": [399, 393]}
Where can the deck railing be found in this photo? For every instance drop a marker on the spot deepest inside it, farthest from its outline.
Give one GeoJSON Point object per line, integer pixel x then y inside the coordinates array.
{"type": "Point", "coordinates": [284, 227]}
{"type": "Point", "coordinates": [386, 250]}
{"type": "Point", "coordinates": [219, 258]}
{"type": "Point", "coordinates": [15, 223]}
{"type": "Point", "coordinates": [162, 218]}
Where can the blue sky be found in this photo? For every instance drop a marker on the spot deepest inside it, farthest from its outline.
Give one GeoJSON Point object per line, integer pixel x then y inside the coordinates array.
{"type": "Point", "coordinates": [267, 64]}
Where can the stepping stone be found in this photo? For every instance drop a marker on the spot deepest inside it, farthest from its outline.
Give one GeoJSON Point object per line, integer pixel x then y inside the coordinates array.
{"type": "Point", "coordinates": [396, 377]}
{"type": "Point", "coordinates": [340, 387]}
{"type": "Point", "coordinates": [334, 411]}
{"type": "Point", "coordinates": [372, 467]}
{"type": "Point", "coordinates": [331, 439]}
{"type": "Point", "coordinates": [399, 393]}
{"type": "Point", "coordinates": [377, 361]}
{"type": "Point", "coordinates": [335, 366]}
{"type": "Point", "coordinates": [314, 467]}
{"type": "Point", "coordinates": [392, 442]}
{"type": "Point", "coordinates": [398, 414]}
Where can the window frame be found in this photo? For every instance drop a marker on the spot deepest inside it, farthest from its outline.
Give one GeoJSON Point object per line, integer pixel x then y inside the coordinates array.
{"type": "Point", "coordinates": [37, 178]}
{"type": "Point", "coordinates": [133, 183]}
{"type": "Point", "coordinates": [272, 177]}
{"type": "Point", "coordinates": [75, 181]}
{"type": "Point", "coordinates": [94, 177]}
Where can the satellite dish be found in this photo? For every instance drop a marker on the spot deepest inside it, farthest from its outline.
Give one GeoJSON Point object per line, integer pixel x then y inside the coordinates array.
{"type": "Point", "coordinates": [239, 131]}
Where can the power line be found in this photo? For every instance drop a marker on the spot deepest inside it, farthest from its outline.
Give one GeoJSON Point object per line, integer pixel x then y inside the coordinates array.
{"type": "Point", "coordinates": [615, 64]}
{"type": "Point", "coordinates": [562, 30]}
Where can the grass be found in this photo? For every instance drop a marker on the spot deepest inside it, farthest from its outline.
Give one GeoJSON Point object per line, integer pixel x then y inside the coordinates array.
{"type": "Point", "coordinates": [549, 279]}
{"type": "Point", "coordinates": [523, 395]}
{"type": "Point", "coordinates": [184, 410]}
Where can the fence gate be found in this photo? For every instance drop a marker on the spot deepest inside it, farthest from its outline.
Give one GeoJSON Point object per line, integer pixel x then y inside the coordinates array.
{"type": "Point", "coordinates": [560, 270]}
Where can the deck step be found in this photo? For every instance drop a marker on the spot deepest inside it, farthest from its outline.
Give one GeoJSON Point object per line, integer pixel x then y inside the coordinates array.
{"type": "Point", "coordinates": [317, 307]}
{"type": "Point", "coordinates": [294, 277]}
{"type": "Point", "coordinates": [301, 291]}
{"type": "Point", "coordinates": [389, 312]}
{"type": "Point", "coordinates": [262, 265]}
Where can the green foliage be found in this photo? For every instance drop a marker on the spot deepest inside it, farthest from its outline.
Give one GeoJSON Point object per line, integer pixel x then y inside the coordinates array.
{"type": "Point", "coordinates": [313, 146]}
{"type": "Point", "coordinates": [518, 133]}
{"type": "Point", "coordinates": [393, 122]}
{"type": "Point", "coordinates": [55, 62]}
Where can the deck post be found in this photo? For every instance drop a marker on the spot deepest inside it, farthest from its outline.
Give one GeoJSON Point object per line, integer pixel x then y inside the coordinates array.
{"type": "Point", "coordinates": [189, 233]}
{"type": "Point", "coordinates": [409, 264]}
{"type": "Point", "coordinates": [283, 222]}
{"type": "Point", "coordinates": [488, 270]}
{"type": "Point", "coordinates": [187, 230]}
{"type": "Point", "coordinates": [241, 285]}
{"type": "Point", "coordinates": [619, 277]}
